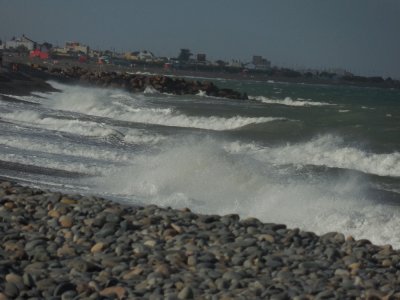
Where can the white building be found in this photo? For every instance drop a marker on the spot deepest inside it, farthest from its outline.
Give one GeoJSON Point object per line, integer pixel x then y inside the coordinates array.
{"type": "Point", "coordinates": [76, 47]}
{"type": "Point", "coordinates": [236, 63]}
{"type": "Point", "coordinates": [146, 55]}
{"type": "Point", "coordinates": [22, 41]}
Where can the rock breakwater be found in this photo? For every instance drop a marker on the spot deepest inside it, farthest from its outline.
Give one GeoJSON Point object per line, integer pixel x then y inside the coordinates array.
{"type": "Point", "coordinates": [18, 83]}
{"type": "Point", "coordinates": [57, 246]}
{"type": "Point", "coordinates": [132, 82]}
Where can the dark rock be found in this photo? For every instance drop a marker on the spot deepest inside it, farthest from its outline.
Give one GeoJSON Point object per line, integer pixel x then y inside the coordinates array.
{"type": "Point", "coordinates": [11, 290]}
{"type": "Point", "coordinates": [63, 287]}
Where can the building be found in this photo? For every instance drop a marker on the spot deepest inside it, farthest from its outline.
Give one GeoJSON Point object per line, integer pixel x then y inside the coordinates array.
{"type": "Point", "coordinates": [72, 49]}
{"type": "Point", "coordinates": [235, 63]}
{"type": "Point", "coordinates": [39, 54]}
{"type": "Point", "coordinates": [143, 55]}
{"type": "Point", "coordinates": [23, 41]}
{"type": "Point", "coordinates": [94, 53]}
{"type": "Point", "coordinates": [134, 56]}
{"type": "Point", "coordinates": [146, 55]}
{"type": "Point", "coordinates": [201, 58]}
{"type": "Point", "coordinates": [76, 47]}
{"type": "Point", "coordinates": [261, 63]}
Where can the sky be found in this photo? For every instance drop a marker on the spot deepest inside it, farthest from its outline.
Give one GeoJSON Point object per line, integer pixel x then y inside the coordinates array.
{"type": "Point", "coordinates": [361, 36]}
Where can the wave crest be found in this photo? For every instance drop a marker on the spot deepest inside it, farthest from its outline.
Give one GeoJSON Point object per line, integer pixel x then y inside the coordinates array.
{"type": "Point", "coordinates": [289, 101]}
{"type": "Point", "coordinates": [328, 151]}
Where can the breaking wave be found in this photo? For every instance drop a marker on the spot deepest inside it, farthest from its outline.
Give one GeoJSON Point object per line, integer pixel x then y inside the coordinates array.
{"type": "Point", "coordinates": [98, 102]}
{"type": "Point", "coordinates": [140, 137]}
{"type": "Point", "coordinates": [31, 99]}
{"type": "Point", "coordinates": [288, 101]}
{"type": "Point", "coordinates": [85, 128]}
{"type": "Point", "coordinates": [210, 177]}
{"type": "Point", "coordinates": [69, 149]}
{"type": "Point", "coordinates": [55, 163]}
{"type": "Point", "coordinates": [328, 150]}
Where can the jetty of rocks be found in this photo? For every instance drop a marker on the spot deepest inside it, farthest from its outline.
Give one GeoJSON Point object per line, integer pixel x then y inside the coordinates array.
{"type": "Point", "coordinates": [128, 81]}
{"type": "Point", "coordinates": [20, 83]}
{"type": "Point", "coordinates": [58, 246]}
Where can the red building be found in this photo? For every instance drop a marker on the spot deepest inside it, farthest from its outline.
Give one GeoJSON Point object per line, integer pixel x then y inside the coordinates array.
{"type": "Point", "coordinates": [38, 53]}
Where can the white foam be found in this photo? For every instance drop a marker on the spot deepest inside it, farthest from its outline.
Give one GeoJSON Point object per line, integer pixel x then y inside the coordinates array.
{"type": "Point", "coordinates": [288, 101]}
{"type": "Point", "coordinates": [69, 149]}
{"type": "Point", "coordinates": [139, 137]}
{"type": "Point", "coordinates": [369, 108]}
{"type": "Point", "coordinates": [96, 102]}
{"type": "Point", "coordinates": [32, 99]}
{"type": "Point", "coordinates": [327, 151]}
{"type": "Point", "coordinates": [210, 123]}
{"type": "Point", "coordinates": [150, 90]}
{"type": "Point", "coordinates": [204, 176]}
{"type": "Point", "coordinates": [49, 163]}
{"type": "Point", "coordinates": [202, 93]}
{"type": "Point", "coordinates": [85, 128]}
{"type": "Point", "coordinates": [143, 73]}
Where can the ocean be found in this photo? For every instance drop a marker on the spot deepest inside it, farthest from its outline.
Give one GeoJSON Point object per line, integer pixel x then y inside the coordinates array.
{"type": "Point", "coordinates": [317, 157]}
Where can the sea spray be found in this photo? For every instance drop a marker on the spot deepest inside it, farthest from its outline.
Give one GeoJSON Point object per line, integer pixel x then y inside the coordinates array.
{"type": "Point", "coordinates": [206, 177]}
{"type": "Point", "coordinates": [327, 150]}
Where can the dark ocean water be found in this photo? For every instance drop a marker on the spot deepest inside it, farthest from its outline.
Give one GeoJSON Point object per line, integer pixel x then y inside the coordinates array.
{"type": "Point", "coordinates": [322, 158]}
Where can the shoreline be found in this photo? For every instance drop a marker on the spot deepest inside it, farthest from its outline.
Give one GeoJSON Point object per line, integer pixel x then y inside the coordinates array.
{"type": "Point", "coordinates": [62, 246]}
{"type": "Point", "coordinates": [203, 75]}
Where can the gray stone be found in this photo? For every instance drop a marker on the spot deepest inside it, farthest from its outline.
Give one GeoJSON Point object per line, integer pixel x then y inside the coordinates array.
{"type": "Point", "coordinates": [186, 293]}
{"type": "Point", "coordinates": [28, 280]}
{"type": "Point", "coordinates": [63, 287]}
{"type": "Point", "coordinates": [310, 265]}
{"type": "Point", "coordinates": [68, 295]}
{"type": "Point", "coordinates": [11, 290]}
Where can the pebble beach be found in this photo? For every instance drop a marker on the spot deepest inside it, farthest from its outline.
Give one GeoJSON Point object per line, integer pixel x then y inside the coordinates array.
{"type": "Point", "coordinates": [58, 246]}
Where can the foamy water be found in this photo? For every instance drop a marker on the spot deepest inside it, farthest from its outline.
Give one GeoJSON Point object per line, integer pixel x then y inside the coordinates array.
{"type": "Point", "coordinates": [134, 110]}
{"type": "Point", "coordinates": [212, 156]}
{"type": "Point", "coordinates": [327, 151]}
{"type": "Point", "coordinates": [288, 101]}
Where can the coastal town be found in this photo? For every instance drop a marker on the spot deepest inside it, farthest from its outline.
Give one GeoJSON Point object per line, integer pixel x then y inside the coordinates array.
{"type": "Point", "coordinates": [84, 53]}
{"type": "Point", "coordinates": [23, 49]}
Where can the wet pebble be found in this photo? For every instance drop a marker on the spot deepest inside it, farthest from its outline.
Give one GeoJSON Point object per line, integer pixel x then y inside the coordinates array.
{"type": "Point", "coordinates": [58, 246]}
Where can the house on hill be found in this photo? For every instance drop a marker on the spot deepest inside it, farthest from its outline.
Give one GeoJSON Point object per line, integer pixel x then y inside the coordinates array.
{"type": "Point", "coordinates": [24, 41]}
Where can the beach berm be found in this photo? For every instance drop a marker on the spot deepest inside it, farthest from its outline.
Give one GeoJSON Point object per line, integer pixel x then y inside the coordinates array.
{"type": "Point", "coordinates": [56, 246]}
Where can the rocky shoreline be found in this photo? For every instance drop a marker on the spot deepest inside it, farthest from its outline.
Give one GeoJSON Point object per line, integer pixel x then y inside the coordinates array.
{"type": "Point", "coordinates": [57, 246]}
{"type": "Point", "coordinates": [22, 84]}
{"type": "Point", "coordinates": [32, 77]}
